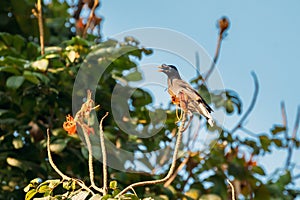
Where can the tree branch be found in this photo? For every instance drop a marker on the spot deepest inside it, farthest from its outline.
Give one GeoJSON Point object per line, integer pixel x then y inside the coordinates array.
{"type": "Point", "coordinates": [62, 175]}
{"type": "Point", "coordinates": [214, 62]}
{"type": "Point", "coordinates": [96, 3]}
{"type": "Point", "coordinates": [223, 26]}
{"type": "Point", "coordinates": [90, 158]}
{"type": "Point", "coordinates": [251, 106]}
{"type": "Point", "coordinates": [292, 140]}
{"type": "Point", "coordinates": [172, 168]}
{"type": "Point", "coordinates": [41, 27]}
{"type": "Point", "coordinates": [232, 190]}
{"type": "Point", "coordinates": [284, 119]}
{"type": "Point", "coordinates": [182, 164]}
{"type": "Point", "coordinates": [103, 155]}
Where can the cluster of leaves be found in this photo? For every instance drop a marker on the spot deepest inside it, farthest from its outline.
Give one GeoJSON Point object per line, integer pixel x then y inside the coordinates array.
{"type": "Point", "coordinates": [36, 94]}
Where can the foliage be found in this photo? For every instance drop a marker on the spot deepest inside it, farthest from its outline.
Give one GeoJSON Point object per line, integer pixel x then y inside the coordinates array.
{"type": "Point", "coordinates": [36, 94]}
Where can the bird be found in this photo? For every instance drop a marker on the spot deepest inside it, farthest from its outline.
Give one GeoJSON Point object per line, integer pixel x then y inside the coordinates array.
{"type": "Point", "coordinates": [184, 95]}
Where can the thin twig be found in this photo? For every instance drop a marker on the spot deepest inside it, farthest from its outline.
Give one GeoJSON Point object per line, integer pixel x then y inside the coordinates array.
{"type": "Point", "coordinates": [284, 119]}
{"type": "Point", "coordinates": [103, 155]}
{"type": "Point", "coordinates": [179, 168]}
{"type": "Point", "coordinates": [232, 190]}
{"type": "Point", "coordinates": [172, 168]}
{"type": "Point", "coordinates": [41, 27]}
{"type": "Point", "coordinates": [90, 159]}
{"type": "Point", "coordinates": [96, 2]}
{"type": "Point", "coordinates": [251, 106]}
{"type": "Point", "coordinates": [223, 27]}
{"type": "Point", "coordinates": [292, 141]}
{"type": "Point", "coordinates": [296, 124]}
{"type": "Point", "coordinates": [214, 62]}
{"type": "Point", "coordinates": [63, 176]}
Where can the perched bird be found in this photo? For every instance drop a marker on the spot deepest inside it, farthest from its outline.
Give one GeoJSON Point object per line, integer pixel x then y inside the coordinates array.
{"type": "Point", "coordinates": [184, 95]}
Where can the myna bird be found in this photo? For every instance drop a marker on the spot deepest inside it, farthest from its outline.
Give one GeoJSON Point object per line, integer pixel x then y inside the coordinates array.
{"type": "Point", "coordinates": [184, 95]}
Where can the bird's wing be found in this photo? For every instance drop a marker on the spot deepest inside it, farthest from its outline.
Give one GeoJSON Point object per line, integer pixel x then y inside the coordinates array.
{"type": "Point", "coordinates": [192, 93]}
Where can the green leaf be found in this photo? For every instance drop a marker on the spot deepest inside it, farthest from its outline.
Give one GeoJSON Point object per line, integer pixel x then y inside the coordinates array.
{"type": "Point", "coordinates": [10, 69]}
{"type": "Point", "coordinates": [42, 77]}
{"type": "Point", "coordinates": [31, 77]}
{"type": "Point", "coordinates": [18, 143]}
{"type": "Point", "coordinates": [284, 179]}
{"type": "Point", "coordinates": [134, 76]}
{"type": "Point", "coordinates": [277, 142]}
{"type": "Point", "coordinates": [59, 145]}
{"type": "Point", "coordinates": [44, 189]}
{"type": "Point", "coordinates": [229, 106]}
{"type": "Point", "coordinates": [113, 185]}
{"type": "Point", "coordinates": [30, 194]}
{"type": "Point", "coordinates": [41, 65]}
{"type": "Point", "coordinates": [3, 111]}
{"type": "Point", "coordinates": [278, 129]}
{"type": "Point", "coordinates": [262, 192]}
{"type": "Point", "coordinates": [265, 142]}
{"type": "Point", "coordinates": [14, 82]}
{"type": "Point", "coordinates": [258, 170]}
{"type": "Point", "coordinates": [141, 98]}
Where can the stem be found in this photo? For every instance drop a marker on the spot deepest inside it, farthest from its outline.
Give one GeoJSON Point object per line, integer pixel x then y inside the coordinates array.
{"type": "Point", "coordinates": [251, 106]}
{"type": "Point", "coordinates": [41, 27]}
{"type": "Point", "coordinates": [96, 2]}
{"type": "Point", "coordinates": [63, 176]}
{"type": "Point", "coordinates": [90, 159]}
{"type": "Point", "coordinates": [232, 189]}
{"type": "Point", "coordinates": [104, 155]}
{"type": "Point", "coordinates": [179, 168]}
{"type": "Point", "coordinates": [284, 119]}
{"type": "Point", "coordinates": [213, 64]}
{"type": "Point", "coordinates": [172, 168]}
{"type": "Point", "coordinates": [292, 141]}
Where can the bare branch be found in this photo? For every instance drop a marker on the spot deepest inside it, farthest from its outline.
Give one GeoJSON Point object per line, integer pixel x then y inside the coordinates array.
{"type": "Point", "coordinates": [214, 62]}
{"type": "Point", "coordinates": [232, 190]}
{"type": "Point", "coordinates": [223, 26]}
{"type": "Point", "coordinates": [90, 158]}
{"type": "Point", "coordinates": [292, 141]}
{"type": "Point", "coordinates": [179, 168]}
{"type": "Point", "coordinates": [103, 155]}
{"type": "Point", "coordinates": [62, 175]}
{"type": "Point", "coordinates": [284, 119]}
{"type": "Point", "coordinates": [296, 126]}
{"type": "Point", "coordinates": [251, 106]}
{"type": "Point", "coordinates": [39, 16]}
{"type": "Point", "coordinates": [172, 168]}
{"type": "Point", "coordinates": [96, 3]}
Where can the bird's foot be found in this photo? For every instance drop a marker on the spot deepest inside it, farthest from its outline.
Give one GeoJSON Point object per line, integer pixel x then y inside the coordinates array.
{"type": "Point", "coordinates": [178, 117]}
{"type": "Point", "coordinates": [189, 122]}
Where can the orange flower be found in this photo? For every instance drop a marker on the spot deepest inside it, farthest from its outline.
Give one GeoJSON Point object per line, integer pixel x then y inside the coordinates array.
{"type": "Point", "coordinates": [70, 125]}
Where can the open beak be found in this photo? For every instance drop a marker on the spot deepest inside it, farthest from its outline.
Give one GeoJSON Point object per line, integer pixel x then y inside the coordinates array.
{"type": "Point", "coordinates": [160, 68]}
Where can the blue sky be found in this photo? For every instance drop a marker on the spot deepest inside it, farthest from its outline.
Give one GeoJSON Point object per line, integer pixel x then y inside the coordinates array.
{"type": "Point", "coordinates": [263, 37]}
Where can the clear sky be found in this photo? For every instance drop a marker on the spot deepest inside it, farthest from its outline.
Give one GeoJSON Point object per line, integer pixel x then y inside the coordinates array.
{"type": "Point", "coordinates": [263, 37]}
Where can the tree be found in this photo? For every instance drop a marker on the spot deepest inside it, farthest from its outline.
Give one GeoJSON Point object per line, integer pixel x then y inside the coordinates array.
{"type": "Point", "coordinates": [36, 95]}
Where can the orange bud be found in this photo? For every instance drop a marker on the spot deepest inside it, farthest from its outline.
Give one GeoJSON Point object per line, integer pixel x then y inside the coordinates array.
{"type": "Point", "coordinates": [70, 125]}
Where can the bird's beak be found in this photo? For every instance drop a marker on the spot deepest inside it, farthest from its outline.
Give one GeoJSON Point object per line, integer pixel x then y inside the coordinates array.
{"type": "Point", "coordinates": [160, 68]}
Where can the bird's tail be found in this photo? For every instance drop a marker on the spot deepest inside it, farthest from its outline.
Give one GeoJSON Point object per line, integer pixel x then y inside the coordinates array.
{"type": "Point", "coordinates": [210, 122]}
{"type": "Point", "coordinates": [206, 113]}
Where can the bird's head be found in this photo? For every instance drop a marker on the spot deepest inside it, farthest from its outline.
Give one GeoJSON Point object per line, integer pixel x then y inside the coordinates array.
{"type": "Point", "coordinates": [170, 70]}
